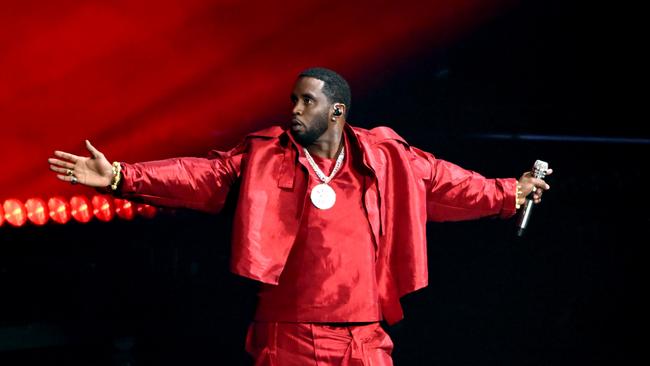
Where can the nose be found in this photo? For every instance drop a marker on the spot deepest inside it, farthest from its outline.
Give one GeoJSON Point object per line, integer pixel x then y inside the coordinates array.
{"type": "Point", "coordinates": [297, 109]}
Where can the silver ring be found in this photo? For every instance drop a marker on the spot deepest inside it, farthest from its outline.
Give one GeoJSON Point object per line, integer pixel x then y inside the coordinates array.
{"type": "Point", "coordinates": [74, 180]}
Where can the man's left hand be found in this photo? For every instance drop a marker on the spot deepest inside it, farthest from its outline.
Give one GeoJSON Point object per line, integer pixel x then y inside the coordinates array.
{"type": "Point", "coordinates": [528, 183]}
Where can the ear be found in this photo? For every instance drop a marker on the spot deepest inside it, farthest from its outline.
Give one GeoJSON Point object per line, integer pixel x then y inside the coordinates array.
{"type": "Point", "coordinates": [339, 110]}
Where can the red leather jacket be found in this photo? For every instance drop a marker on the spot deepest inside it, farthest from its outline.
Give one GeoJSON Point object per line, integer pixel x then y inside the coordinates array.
{"type": "Point", "coordinates": [410, 186]}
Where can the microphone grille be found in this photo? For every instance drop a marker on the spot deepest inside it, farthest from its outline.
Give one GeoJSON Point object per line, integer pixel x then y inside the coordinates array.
{"type": "Point", "coordinates": [539, 169]}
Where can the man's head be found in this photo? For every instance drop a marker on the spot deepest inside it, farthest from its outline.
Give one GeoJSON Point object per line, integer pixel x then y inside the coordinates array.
{"type": "Point", "coordinates": [320, 97]}
{"type": "Point", "coordinates": [335, 88]}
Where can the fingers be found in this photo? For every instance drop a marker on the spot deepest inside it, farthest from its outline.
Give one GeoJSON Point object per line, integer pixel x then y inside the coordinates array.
{"type": "Point", "coordinates": [95, 153]}
{"type": "Point", "coordinates": [67, 156]}
{"type": "Point", "coordinates": [64, 171]}
{"type": "Point", "coordinates": [67, 178]}
{"type": "Point", "coordinates": [60, 163]}
{"type": "Point", "coordinates": [534, 187]}
{"type": "Point", "coordinates": [540, 184]}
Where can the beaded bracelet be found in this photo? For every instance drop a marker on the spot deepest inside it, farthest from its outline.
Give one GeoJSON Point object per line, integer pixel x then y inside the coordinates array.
{"type": "Point", "coordinates": [117, 175]}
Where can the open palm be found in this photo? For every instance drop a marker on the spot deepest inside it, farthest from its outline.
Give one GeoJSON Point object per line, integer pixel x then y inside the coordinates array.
{"type": "Point", "coordinates": [93, 171]}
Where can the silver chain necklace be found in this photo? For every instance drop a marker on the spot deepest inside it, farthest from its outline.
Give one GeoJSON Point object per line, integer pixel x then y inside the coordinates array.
{"type": "Point", "coordinates": [322, 195]}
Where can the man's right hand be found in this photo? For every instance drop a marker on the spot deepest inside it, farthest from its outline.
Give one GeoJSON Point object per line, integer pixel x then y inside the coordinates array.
{"type": "Point", "coordinates": [93, 171]}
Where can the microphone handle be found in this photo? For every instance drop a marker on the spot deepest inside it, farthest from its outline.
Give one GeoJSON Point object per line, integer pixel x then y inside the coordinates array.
{"type": "Point", "coordinates": [527, 210]}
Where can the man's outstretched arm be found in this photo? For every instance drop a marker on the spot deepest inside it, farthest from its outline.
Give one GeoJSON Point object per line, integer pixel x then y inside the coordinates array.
{"type": "Point", "coordinates": [195, 183]}
{"type": "Point", "coordinates": [454, 193]}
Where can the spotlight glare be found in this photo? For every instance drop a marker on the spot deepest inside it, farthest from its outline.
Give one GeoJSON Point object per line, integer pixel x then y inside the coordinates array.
{"type": "Point", "coordinates": [59, 209]}
{"type": "Point", "coordinates": [103, 208]}
{"type": "Point", "coordinates": [145, 210]}
{"type": "Point", "coordinates": [37, 212]}
{"type": "Point", "coordinates": [124, 209]}
{"type": "Point", "coordinates": [15, 212]}
{"type": "Point", "coordinates": [81, 208]}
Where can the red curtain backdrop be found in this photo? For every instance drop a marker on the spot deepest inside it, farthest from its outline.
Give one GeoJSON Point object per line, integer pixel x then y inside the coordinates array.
{"type": "Point", "coordinates": [153, 79]}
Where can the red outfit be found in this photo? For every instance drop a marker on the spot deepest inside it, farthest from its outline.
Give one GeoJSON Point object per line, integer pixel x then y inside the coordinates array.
{"type": "Point", "coordinates": [307, 344]}
{"type": "Point", "coordinates": [330, 273]}
{"type": "Point", "coordinates": [406, 188]}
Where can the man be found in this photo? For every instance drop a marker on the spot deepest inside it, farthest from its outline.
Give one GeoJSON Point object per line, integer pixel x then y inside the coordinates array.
{"type": "Point", "coordinates": [330, 219]}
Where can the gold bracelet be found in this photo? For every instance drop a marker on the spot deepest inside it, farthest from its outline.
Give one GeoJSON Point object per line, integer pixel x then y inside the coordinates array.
{"type": "Point", "coordinates": [517, 195]}
{"type": "Point", "coordinates": [117, 175]}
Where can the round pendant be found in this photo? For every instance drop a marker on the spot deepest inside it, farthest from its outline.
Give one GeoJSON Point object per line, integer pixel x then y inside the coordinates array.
{"type": "Point", "coordinates": [323, 196]}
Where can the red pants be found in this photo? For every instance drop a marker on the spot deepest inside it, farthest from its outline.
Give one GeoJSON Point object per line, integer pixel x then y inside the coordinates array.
{"type": "Point", "coordinates": [308, 344]}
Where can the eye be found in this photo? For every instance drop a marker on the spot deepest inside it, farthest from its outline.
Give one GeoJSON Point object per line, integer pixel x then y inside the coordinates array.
{"type": "Point", "coordinates": [307, 100]}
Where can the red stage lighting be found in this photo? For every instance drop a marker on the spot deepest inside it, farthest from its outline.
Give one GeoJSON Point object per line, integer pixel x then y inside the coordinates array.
{"type": "Point", "coordinates": [2, 215]}
{"type": "Point", "coordinates": [124, 209]}
{"type": "Point", "coordinates": [145, 210]}
{"type": "Point", "coordinates": [81, 208]}
{"type": "Point", "coordinates": [15, 212]}
{"type": "Point", "coordinates": [37, 212]}
{"type": "Point", "coordinates": [103, 208]}
{"type": "Point", "coordinates": [59, 209]}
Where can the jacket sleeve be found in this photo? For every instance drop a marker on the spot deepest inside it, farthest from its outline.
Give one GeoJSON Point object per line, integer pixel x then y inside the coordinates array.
{"type": "Point", "coordinates": [454, 193]}
{"type": "Point", "coordinates": [196, 183]}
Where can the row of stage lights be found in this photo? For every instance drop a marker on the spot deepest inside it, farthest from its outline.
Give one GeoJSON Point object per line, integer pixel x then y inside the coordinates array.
{"type": "Point", "coordinates": [80, 208]}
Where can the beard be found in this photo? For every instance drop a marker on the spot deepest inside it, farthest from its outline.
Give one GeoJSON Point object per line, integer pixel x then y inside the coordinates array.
{"type": "Point", "coordinates": [311, 134]}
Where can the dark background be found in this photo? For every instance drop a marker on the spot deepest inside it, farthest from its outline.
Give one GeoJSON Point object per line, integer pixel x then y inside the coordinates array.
{"type": "Point", "coordinates": [158, 292]}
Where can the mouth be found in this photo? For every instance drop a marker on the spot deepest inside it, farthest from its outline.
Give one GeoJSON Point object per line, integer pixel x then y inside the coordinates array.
{"type": "Point", "coordinates": [296, 124]}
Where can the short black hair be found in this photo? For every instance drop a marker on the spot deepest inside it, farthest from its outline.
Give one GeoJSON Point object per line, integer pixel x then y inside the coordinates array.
{"type": "Point", "coordinates": [336, 88]}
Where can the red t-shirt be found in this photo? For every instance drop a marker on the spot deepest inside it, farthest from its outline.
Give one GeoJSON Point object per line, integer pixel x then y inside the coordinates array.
{"type": "Point", "coordinates": [330, 272]}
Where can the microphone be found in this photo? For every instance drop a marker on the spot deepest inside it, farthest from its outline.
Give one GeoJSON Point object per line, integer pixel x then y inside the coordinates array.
{"type": "Point", "coordinates": [539, 171]}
